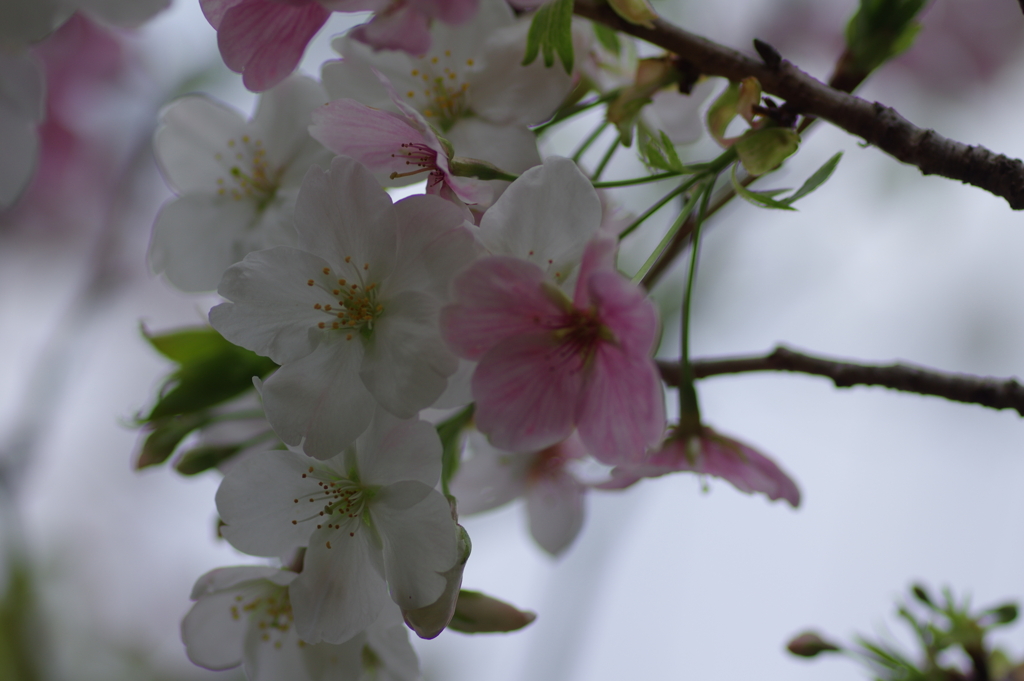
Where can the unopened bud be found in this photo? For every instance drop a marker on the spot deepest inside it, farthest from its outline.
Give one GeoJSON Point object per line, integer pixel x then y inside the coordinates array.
{"type": "Point", "coordinates": [431, 620]}
{"type": "Point", "coordinates": [482, 170]}
{"type": "Point", "coordinates": [1004, 614]}
{"type": "Point", "coordinates": [478, 613]}
{"type": "Point", "coordinates": [921, 594]}
{"type": "Point", "coordinates": [809, 644]}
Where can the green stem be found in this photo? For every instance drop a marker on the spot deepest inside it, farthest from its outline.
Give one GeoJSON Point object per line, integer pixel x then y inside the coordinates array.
{"type": "Point", "coordinates": [590, 140]}
{"type": "Point", "coordinates": [635, 180]}
{"type": "Point", "coordinates": [657, 206]}
{"type": "Point", "coordinates": [604, 161]}
{"type": "Point", "coordinates": [574, 110]}
{"type": "Point", "coordinates": [689, 410]}
{"type": "Point", "coordinates": [683, 214]}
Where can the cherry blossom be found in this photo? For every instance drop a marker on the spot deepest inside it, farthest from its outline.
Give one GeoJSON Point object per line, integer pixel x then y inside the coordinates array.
{"type": "Point", "coordinates": [236, 181]}
{"type": "Point", "coordinates": [367, 515]}
{"type": "Point", "coordinates": [264, 39]}
{"type": "Point", "coordinates": [394, 146]}
{"type": "Point", "coordinates": [554, 495]}
{"type": "Point", "coordinates": [351, 314]}
{"type": "Point", "coordinates": [712, 453]}
{"type": "Point", "coordinates": [244, 616]}
{"type": "Point", "coordinates": [548, 362]}
{"type": "Point", "coordinates": [471, 85]}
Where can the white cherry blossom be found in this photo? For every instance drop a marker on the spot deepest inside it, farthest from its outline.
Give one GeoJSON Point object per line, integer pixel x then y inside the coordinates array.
{"type": "Point", "coordinates": [236, 181]}
{"type": "Point", "coordinates": [368, 515]}
{"type": "Point", "coordinates": [351, 314]}
{"type": "Point", "coordinates": [243, 616]}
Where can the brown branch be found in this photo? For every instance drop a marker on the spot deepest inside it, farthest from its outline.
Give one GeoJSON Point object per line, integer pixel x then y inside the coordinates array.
{"type": "Point", "coordinates": [876, 123]}
{"type": "Point", "coordinates": [994, 393]}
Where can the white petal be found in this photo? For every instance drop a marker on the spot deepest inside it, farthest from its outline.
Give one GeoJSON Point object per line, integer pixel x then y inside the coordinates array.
{"type": "Point", "coordinates": [433, 246]}
{"type": "Point", "coordinates": [256, 500]}
{"type": "Point", "coordinates": [197, 237]}
{"type": "Point", "coordinates": [419, 535]}
{"type": "Point", "coordinates": [504, 91]}
{"type": "Point", "coordinates": [390, 642]}
{"type": "Point", "coordinates": [678, 115]}
{"type": "Point", "coordinates": [489, 479]}
{"type": "Point", "coordinates": [272, 655]}
{"type": "Point", "coordinates": [222, 579]}
{"type": "Point", "coordinates": [327, 662]}
{"type": "Point", "coordinates": [339, 592]}
{"type": "Point", "coordinates": [407, 364]}
{"type": "Point", "coordinates": [193, 131]}
{"type": "Point", "coordinates": [353, 77]}
{"type": "Point", "coordinates": [393, 450]}
{"type": "Point", "coordinates": [345, 213]}
{"type": "Point", "coordinates": [282, 120]}
{"type": "Point", "coordinates": [459, 392]}
{"type": "Point", "coordinates": [272, 304]}
{"type": "Point", "coordinates": [555, 507]}
{"type": "Point", "coordinates": [213, 637]}
{"type": "Point", "coordinates": [546, 216]}
{"type": "Point", "coordinates": [319, 400]}
{"type": "Point", "coordinates": [513, 148]}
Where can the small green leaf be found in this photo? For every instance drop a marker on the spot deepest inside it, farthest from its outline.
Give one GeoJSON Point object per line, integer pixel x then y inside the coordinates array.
{"type": "Point", "coordinates": [723, 110]}
{"type": "Point", "coordinates": [817, 179]}
{"type": "Point", "coordinates": [670, 151]}
{"type": "Point", "coordinates": [477, 613]}
{"type": "Point", "coordinates": [551, 33]}
{"type": "Point", "coordinates": [204, 458]}
{"type": "Point", "coordinates": [761, 151]}
{"type": "Point", "coordinates": [760, 199]}
{"type": "Point", "coordinates": [608, 38]}
{"type": "Point", "coordinates": [449, 432]}
{"type": "Point", "coordinates": [211, 370]}
{"type": "Point", "coordinates": [166, 436]}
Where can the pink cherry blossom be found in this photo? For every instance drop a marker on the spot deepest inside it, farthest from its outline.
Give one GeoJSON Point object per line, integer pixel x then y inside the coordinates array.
{"type": "Point", "coordinates": [394, 146]}
{"type": "Point", "coordinates": [713, 454]}
{"type": "Point", "coordinates": [548, 364]}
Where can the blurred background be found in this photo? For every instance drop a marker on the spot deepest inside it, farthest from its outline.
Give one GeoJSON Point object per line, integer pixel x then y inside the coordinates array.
{"type": "Point", "coordinates": [668, 579]}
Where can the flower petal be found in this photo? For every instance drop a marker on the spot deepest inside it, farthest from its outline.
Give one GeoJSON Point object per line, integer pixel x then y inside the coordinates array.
{"type": "Point", "coordinates": [213, 638]}
{"type": "Point", "coordinates": [392, 450]}
{"type": "Point", "coordinates": [272, 305]}
{"type": "Point", "coordinates": [491, 478]}
{"type": "Point", "coordinates": [494, 299]}
{"type": "Point", "coordinates": [622, 408]}
{"type": "Point", "coordinates": [319, 401]}
{"type": "Point", "coordinates": [340, 592]}
{"type": "Point", "coordinates": [344, 213]}
{"type": "Point", "coordinates": [554, 503]}
{"type": "Point", "coordinates": [193, 129]}
{"type": "Point", "coordinates": [526, 390]}
{"type": "Point", "coordinates": [415, 522]}
{"type": "Point", "coordinates": [407, 365]}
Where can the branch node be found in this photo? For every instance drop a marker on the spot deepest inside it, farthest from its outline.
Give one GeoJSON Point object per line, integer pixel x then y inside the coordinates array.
{"type": "Point", "coordinates": [771, 57]}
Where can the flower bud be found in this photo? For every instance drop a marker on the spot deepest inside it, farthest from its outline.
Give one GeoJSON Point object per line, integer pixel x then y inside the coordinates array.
{"type": "Point", "coordinates": [809, 644]}
{"type": "Point", "coordinates": [431, 620]}
{"type": "Point", "coordinates": [635, 11]}
{"type": "Point", "coordinates": [478, 613]}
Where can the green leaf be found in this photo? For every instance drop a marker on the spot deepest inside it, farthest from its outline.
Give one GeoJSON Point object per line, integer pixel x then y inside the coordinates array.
{"type": "Point", "coordinates": [166, 436]}
{"type": "Point", "coordinates": [211, 370]}
{"type": "Point", "coordinates": [204, 458]}
{"type": "Point", "coordinates": [608, 38]}
{"type": "Point", "coordinates": [723, 111]}
{"type": "Point", "coordinates": [761, 199]}
{"type": "Point", "coordinates": [817, 179]}
{"type": "Point", "coordinates": [551, 33]}
{"type": "Point", "coordinates": [881, 30]}
{"type": "Point", "coordinates": [763, 150]}
{"type": "Point", "coordinates": [449, 431]}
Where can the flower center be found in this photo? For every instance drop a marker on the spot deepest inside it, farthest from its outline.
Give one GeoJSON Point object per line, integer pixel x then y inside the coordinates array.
{"type": "Point", "coordinates": [337, 503]}
{"type": "Point", "coordinates": [349, 304]}
{"type": "Point", "coordinates": [418, 156]}
{"type": "Point", "coordinates": [249, 176]}
{"type": "Point", "coordinates": [443, 96]}
{"type": "Point", "coordinates": [547, 463]}
{"type": "Point", "coordinates": [270, 610]}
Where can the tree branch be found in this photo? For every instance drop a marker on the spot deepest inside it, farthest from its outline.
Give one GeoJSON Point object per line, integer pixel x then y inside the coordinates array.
{"type": "Point", "coordinates": [988, 392]}
{"type": "Point", "coordinates": [876, 123]}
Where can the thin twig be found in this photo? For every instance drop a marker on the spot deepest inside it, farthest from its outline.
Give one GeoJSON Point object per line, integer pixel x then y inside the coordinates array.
{"type": "Point", "coordinates": [876, 123]}
{"type": "Point", "coordinates": [995, 393]}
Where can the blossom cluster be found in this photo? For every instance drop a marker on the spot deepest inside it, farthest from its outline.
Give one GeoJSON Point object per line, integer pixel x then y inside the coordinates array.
{"type": "Point", "coordinates": [495, 296]}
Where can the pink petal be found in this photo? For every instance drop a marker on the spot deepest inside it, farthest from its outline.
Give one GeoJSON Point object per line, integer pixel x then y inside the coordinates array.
{"type": "Point", "coordinates": [496, 298]}
{"type": "Point", "coordinates": [526, 389]}
{"type": "Point", "coordinates": [625, 309]}
{"type": "Point", "coordinates": [621, 409]}
{"type": "Point", "coordinates": [264, 40]}
{"type": "Point", "coordinates": [599, 256]}
{"type": "Point", "coordinates": [371, 136]}
{"type": "Point", "coordinates": [746, 468]}
{"type": "Point", "coordinates": [214, 10]}
{"type": "Point", "coordinates": [403, 28]}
